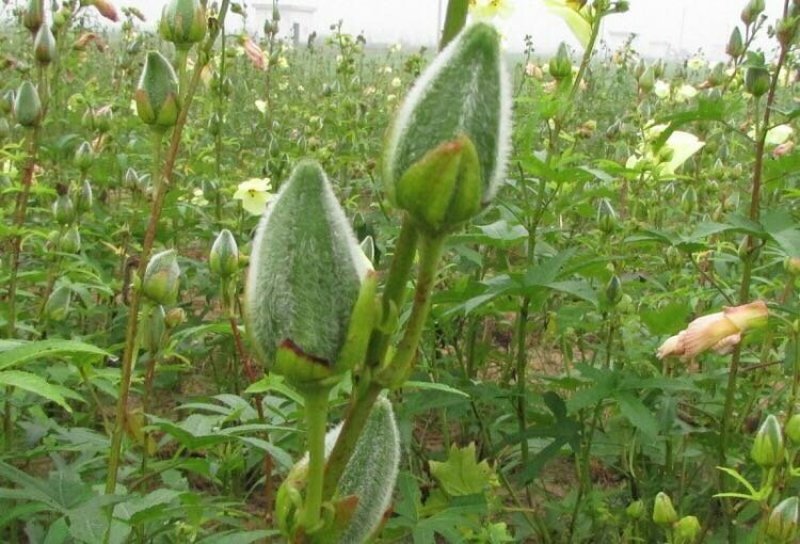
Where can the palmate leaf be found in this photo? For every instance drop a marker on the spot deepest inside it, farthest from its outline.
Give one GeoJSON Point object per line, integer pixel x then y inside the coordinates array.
{"type": "Point", "coordinates": [462, 474]}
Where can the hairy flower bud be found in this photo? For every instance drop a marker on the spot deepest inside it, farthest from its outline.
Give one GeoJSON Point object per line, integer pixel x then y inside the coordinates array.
{"type": "Point", "coordinates": [458, 116]}
{"type": "Point", "coordinates": [33, 16]}
{"type": "Point", "coordinates": [156, 96]}
{"type": "Point", "coordinates": [162, 278]}
{"type": "Point", "coordinates": [70, 241]}
{"type": "Point", "coordinates": [767, 450]}
{"type": "Point", "coordinates": [27, 106]}
{"type": "Point", "coordinates": [606, 216]}
{"type": "Point", "coordinates": [756, 80]}
{"type": "Point", "coordinates": [63, 210]}
{"type": "Point", "coordinates": [783, 521]}
{"type": "Point", "coordinates": [224, 257]}
{"type": "Point", "coordinates": [85, 199]}
{"type": "Point", "coordinates": [183, 22]}
{"type": "Point", "coordinates": [44, 45]}
{"type": "Point", "coordinates": [84, 156]}
{"type": "Point", "coordinates": [57, 306]}
{"type": "Point", "coordinates": [663, 512]}
{"type": "Point", "coordinates": [560, 65]}
{"type": "Point", "coordinates": [735, 47]}
{"type": "Point", "coordinates": [751, 11]}
{"type": "Point", "coordinates": [306, 278]}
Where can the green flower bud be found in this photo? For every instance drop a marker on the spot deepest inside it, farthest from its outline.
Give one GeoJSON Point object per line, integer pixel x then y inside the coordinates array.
{"type": "Point", "coordinates": [560, 65]}
{"type": "Point", "coordinates": [183, 22]}
{"type": "Point", "coordinates": [717, 75]}
{"type": "Point", "coordinates": [756, 80]}
{"type": "Point", "coordinates": [659, 67]}
{"type": "Point", "coordinates": [640, 68]}
{"type": "Point", "coordinates": [156, 96]}
{"type": "Point", "coordinates": [686, 530]}
{"type": "Point", "coordinates": [751, 11]}
{"type": "Point", "coordinates": [767, 450]}
{"type": "Point", "coordinates": [33, 16]}
{"type": "Point", "coordinates": [27, 106]}
{"type": "Point", "coordinates": [783, 521]}
{"type": "Point", "coordinates": [458, 113]}
{"type": "Point", "coordinates": [174, 317]}
{"type": "Point", "coordinates": [614, 290]}
{"type": "Point", "coordinates": [214, 124]}
{"type": "Point", "coordinates": [84, 156]}
{"type": "Point", "coordinates": [162, 278]}
{"type": "Point", "coordinates": [70, 241]}
{"type": "Point", "coordinates": [735, 47]}
{"type": "Point", "coordinates": [155, 329]}
{"type": "Point", "coordinates": [44, 45]}
{"type": "Point", "coordinates": [305, 279]}
{"type": "Point", "coordinates": [635, 510]}
{"type": "Point", "coordinates": [786, 30]}
{"type": "Point", "coordinates": [792, 430]}
{"type": "Point", "coordinates": [7, 102]}
{"type": "Point", "coordinates": [102, 119]}
{"type": "Point", "coordinates": [64, 210]}
{"type": "Point", "coordinates": [85, 198]}
{"type": "Point", "coordinates": [606, 216]}
{"type": "Point", "coordinates": [57, 306]}
{"type": "Point", "coordinates": [647, 80]}
{"type": "Point", "coordinates": [663, 512]}
{"type": "Point", "coordinates": [689, 200]}
{"type": "Point", "coordinates": [224, 257]}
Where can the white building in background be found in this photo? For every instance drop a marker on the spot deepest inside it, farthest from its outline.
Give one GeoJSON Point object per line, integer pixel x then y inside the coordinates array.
{"type": "Point", "coordinates": [296, 18]}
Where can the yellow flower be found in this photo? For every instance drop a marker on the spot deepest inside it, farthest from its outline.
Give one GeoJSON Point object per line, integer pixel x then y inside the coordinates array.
{"type": "Point", "coordinates": [661, 88]}
{"type": "Point", "coordinates": [720, 331]}
{"type": "Point", "coordinates": [488, 9]}
{"type": "Point", "coordinates": [576, 17]}
{"type": "Point", "coordinates": [254, 194]}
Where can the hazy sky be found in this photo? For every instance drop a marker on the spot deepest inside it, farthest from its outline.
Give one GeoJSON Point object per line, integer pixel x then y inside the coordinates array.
{"type": "Point", "coordinates": [663, 26]}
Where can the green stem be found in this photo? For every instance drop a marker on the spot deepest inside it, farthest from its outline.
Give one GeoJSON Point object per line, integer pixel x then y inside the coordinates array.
{"type": "Point", "coordinates": [316, 419]}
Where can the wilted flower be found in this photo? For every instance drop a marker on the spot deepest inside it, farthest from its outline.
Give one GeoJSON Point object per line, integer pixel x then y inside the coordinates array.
{"type": "Point", "coordinates": [720, 331]}
{"type": "Point", "coordinates": [106, 9]}
{"type": "Point", "coordinates": [254, 194]}
{"type": "Point", "coordinates": [257, 57]}
{"type": "Point", "coordinates": [783, 149]}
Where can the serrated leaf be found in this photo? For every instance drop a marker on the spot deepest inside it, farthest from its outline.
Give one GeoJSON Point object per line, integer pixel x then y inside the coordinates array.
{"type": "Point", "coordinates": [36, 385]}
{"type": "Point", "coordinates": [462, 474]}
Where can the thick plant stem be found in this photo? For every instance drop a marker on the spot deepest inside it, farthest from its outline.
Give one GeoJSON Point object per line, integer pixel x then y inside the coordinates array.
{"type": "Point", "coordinates": [316, 419]}
{"type": "Point", "coordinates": [454, 21]}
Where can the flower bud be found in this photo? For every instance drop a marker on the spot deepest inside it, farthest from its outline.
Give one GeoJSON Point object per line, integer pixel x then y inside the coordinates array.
{"type": "Point", "coordinates": [102, 119]}
{"type": "Point", "coordinates": [131, 179]}
{"type": "Point", "coordinates": [70, 241]}
{"type": "Point", "coordinates": [783, 521]}
{"type": "Point", "coordinates": [792, 430]}
{"type": "Point", "coordinates": [663, 512]}
{"type": "Point", "coordinates": [613, 290]}
{"type": "Point", "coordinates": [689, 200]}
{"type": "Point", "coordinates": [44, 45]}
{"type": "Point", "coordinates": [155, 329]}
{"type": "Point", "coordinates": [457, 114]}
{"type": "Point", "coordinates": [659, 67]}
{"type": "Point", "coordinates": [756, 80]}
{"type": "Point", "coordinates": [560, 65]}
{"type": "Point", "coordinates": [647, 80]}
{"type": "Point", "coordinates": [162, 278]}
{"type": "Point", "coordinates": [27, 106]}
{"type": "Point", "coordinates": [7, 102]}
{"type": "Point", "coordinates": [63, 210]}
{"type": "Point", "coordinates": [635, 510]}
{"type": "Point", "coordinates": [57, 305]}
{"type": "Point", "coordinates": [735, 47]}
{"type": "Point", "coordinates": [767, 450]}
{"type": "Point", "coordinates": [224, 257]}
{"type": "Point", "coordinates": [717, 75]}
{"type": "Point", "coordinates": [751, 11]}
{"type": "Point", "coordinates": [33, 16]}
{"type": "Point", "coordinates": [85, 198]}
{"type": "Point", "coordinates": [606, 216]}
{"type": "Point", "coordinates": [305, 280]}
{"type": "Point", "coordinates": [786, 30]}
{"type": "Point", "coordinates": [686, 530]}
{"type": "Point", "coordinates": [107, 9]}
{"type": "Point", "coordinates": [156, 96]}
{"type": "Point", "coordinates": [174, 317]}
{"type": "Point", "coordinates": [183, 22]}
{"type": "Point", "coordinates": [84, 156]}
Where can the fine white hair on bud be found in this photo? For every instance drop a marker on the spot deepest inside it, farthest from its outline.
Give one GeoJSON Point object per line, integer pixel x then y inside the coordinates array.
{"type": "Point", "coordinates": [465, 92]}
{"type": "Point", "coordinates": [305, 275]}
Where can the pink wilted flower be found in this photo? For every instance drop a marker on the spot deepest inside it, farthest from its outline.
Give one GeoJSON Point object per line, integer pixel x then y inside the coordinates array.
{"type": "Point", "coordinates": [720, 331]}
{"type": "Point", "coordinates": [254, 53]}
{"type": "Point", "coordinates": [106, 9]}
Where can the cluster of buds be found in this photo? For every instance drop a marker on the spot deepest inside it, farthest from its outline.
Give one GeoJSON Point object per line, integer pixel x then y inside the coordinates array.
{"type": "Point", "coordinates": [684, 530]}
{"type": "Point", "coordinates": [720, 331]}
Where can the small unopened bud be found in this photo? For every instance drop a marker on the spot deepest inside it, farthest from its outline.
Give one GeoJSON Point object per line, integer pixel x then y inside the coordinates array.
{"type": "Point", "coordinates": [162, 278]}
{"type": "Point", "coordinates": [606, 216]}
{"type": "Point", "coordinates": [792, 430]}
{"type": "Point", "coordinates": [33, 17]}
{"type": "Point", "coordinates": [27, 106]}
{"type": "Point", "coordinates": [560, 66]}
{"type": "Point", "coordinates": [664, 513]}
{"type": "Point", "coordinates": [224, 257]}
{"type": "Point", "coordinates": [174, 317]}
{"type": "Point", "coordinates": [717, 75]}
{"type": "Point", "coordinates": [70, 241]}
{"type": "Point", "coordinates": [102, 119]}
{"type": "Point", "coordinates": [686, 530]}
{"type": "Point", "coordinates": [659, 67]}
{"type": "Point", "coordinates": [84, 156]}
{"type": "Point", "coordinates": [786, 30]}
{"type": "Point", "coordinates": [756, 80]}
{"type": "Point", "coordinates": [44, 46]}
{"type": "Point", "coordinates": [63, 210]}
{"type": "Point", "coordinates": [767, 450]}
{"type": "Point", "coordinates": [735, 47]}
{"type": "Point", "coordinates": [783, 521]}
{"type": "Point", "coordinates": [614, 290]}
{"type": "Point", "coordinates": [751, 11]}
{"type": "Point", "coordinates": [85, 199]}
{"type": "Point", "coordinates": [156, 96]}
{"type": "Point", "coordinates": [635, 510]}
{"type": "Point", "coordinates": [647, 80]}
{"type": "Point", "coordinates": [183, 22]}
{"type": "Point", "coordinates": [689, 200]}
{"type": "Point", "coordinates": [57, 306]}
{"type": "Point", "coordinates": [7, 102]}
{"type": "Point", "coordinates": [792, 265]}
{"type": "Point", "coordinates": [155, 329]}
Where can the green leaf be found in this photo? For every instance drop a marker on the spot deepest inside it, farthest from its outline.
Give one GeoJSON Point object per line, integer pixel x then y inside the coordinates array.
{"type": "Point", "coordinates": [637, 413]}
{"type": "Point", "coordinates": [431, 386]}
{"type": "Point", "coordinates": [462, 474]}
{"type": "Point", "coordinates": [36, 385]}
{"type": "Point", "coordinates": [11, 355]}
